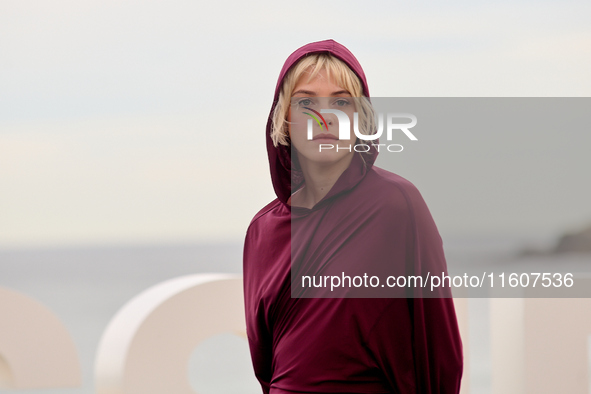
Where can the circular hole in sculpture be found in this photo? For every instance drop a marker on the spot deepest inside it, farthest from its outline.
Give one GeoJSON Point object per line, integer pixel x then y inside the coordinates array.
{"type": "Point", "coordinates": [221, 364]}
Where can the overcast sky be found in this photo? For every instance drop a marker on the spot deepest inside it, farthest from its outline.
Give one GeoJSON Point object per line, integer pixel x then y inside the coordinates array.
{"type": "Point", "coordinates": [143, 121]}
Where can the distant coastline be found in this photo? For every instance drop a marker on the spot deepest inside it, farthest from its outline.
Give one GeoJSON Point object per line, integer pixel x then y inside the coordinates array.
{"type": "Point", "coordinates": [571, 242]}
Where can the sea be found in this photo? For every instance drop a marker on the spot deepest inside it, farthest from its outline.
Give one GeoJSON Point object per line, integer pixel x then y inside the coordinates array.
{"type": "Point", "coordinates": [86, 286]}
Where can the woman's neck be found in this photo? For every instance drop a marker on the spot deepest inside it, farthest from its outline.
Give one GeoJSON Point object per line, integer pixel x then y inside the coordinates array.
{"type": "Point", "coordinates": [319, 179]}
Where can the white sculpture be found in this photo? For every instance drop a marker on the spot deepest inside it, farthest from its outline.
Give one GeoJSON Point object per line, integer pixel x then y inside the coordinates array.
{"type": "Point", "coordinates": [36, 350]}
{"type": "Point", "coordinates": [147, 346]}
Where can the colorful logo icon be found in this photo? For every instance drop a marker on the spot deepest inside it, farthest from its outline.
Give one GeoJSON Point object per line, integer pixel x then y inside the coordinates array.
{"type": "Point", "coordinates": [315, 118]}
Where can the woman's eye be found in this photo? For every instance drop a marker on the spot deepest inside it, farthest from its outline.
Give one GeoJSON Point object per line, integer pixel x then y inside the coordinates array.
{"type": "Point", "coordinates": [305, 102]}
{"type": "Point", "coordinates": [342, 103]}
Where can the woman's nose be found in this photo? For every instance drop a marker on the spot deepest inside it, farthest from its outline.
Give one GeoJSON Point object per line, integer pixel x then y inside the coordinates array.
{"type": "Point", "coordinates": [330, 119]}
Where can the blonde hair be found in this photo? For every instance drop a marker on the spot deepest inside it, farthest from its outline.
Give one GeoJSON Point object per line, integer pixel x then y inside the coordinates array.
{"type": "Point", "coordinates": [339, 73]}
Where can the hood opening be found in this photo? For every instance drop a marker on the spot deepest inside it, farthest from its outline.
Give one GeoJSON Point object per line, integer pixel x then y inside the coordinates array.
{"type": "Point", "coordinates": [284, 168]}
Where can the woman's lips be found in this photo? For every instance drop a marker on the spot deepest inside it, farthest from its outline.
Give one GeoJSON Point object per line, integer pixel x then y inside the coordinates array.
{"type": "Point", "coordinates": [325, 136]}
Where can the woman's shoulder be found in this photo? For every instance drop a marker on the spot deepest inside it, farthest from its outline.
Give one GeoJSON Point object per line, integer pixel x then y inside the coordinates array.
{"type": "Point", "coordinates": [273, 208]}
{"type": "Point", "coordinates": [399, 198]}
{"type": "Point", "coordinates": [268, 229]}
{"type": "Point", "coordinates": [386, 177]}
{"type": "Point", "coordinates": [391, 186]}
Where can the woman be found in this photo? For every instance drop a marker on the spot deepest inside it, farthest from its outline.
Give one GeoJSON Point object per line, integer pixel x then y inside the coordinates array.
{"type": "Point", "coordinates": [337, 213]}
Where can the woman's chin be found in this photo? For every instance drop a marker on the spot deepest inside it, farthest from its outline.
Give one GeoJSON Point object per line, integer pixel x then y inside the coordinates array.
{"type": "Point", "coordinates": [325, 158]}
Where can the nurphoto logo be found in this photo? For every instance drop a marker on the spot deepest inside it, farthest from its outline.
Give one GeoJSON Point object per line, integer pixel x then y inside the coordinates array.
{"type": "Point", "coordinates": [344, 124]}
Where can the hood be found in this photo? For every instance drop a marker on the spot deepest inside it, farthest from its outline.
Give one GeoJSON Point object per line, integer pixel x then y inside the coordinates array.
{"type": "Point", "coordinates": [280, 157]}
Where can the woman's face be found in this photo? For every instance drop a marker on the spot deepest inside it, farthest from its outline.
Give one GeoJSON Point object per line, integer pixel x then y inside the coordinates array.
{"type": "Point", "coordinates": [308, 99]}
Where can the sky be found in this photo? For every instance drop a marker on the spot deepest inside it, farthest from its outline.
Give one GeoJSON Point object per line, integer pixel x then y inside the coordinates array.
{"type": "Point", "coordinates": [143, 121]}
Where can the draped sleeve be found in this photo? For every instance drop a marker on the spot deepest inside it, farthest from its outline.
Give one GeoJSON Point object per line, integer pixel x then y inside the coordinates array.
{"type": "Point", "coordinates": [416, 340]}
{"type": "Point", "coordinates": [415, 343]}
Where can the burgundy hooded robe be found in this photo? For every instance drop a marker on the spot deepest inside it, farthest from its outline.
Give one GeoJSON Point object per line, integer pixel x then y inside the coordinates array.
{"type": "Point", "coordinates": [342, 344]}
